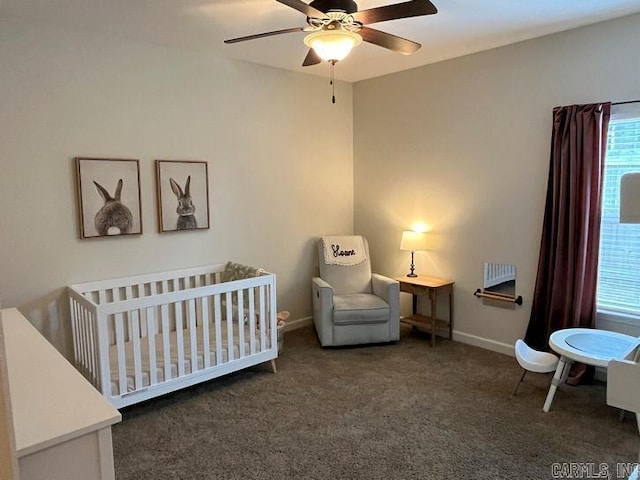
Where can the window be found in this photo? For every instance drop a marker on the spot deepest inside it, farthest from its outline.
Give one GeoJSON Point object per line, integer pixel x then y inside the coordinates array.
{"type": "Point", "coordinates": [619, 260]}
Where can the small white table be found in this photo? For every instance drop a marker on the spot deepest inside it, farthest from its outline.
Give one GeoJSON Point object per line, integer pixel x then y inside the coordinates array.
{"type": "Point", "coordinates": [584, 345]}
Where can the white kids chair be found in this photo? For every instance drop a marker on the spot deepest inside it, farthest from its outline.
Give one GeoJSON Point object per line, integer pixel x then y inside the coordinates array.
{"type": "Point", "coordinates": [533, 361]}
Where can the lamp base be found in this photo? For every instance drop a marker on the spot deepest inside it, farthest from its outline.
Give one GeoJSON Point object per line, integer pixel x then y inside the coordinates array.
{"type": "Point", "coordinates": [412, 269]}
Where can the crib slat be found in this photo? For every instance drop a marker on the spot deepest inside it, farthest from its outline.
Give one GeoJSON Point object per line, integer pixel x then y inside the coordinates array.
{"type": "Point", "coordinates": [120, 352]}
{"type": "Point", "coordinates": [77, 343]}
{"type": "Point", "coordinates": [218, 319]}
{"type": "Point", "coordinates": [143, 312]}
{"type": "Point", "coordinates": [271, 312]}
{"type": "Point", "coordinates": [206, 355]}
{"type": "Point", "coordinates": [74, 327]}
{"type": "Point", "coordinates": [102, 299]}
{"type": "Point", "coordinates": [198, 283]}
{"type": "Point", "coordinates": [252, 321]}
{"type": "Point", "coordinates": [230, 349]}
{"type": "Point", "coordinates": [179, 337]}
{"type": "Point", "coordinates": [128, 296]}
{"type": "Point", "coordinates": [192, 335]}
{"type": "Point", "coordinates": [153, 290]}
{"type": "Point", "coordinates": [263, 314]}
{"type": "Point", "coordinates": [93, 349]}
{"type": "Point", "coordinates": [93, 357]}
{"type": "Point", "coordinates": [166, 344]}
{"type": "Point", "coordinates": [86, 339]}
{"type": "Point", "coordinates": [137, 357]}
{"type": "Point", "coordinates": [151, 345]}
{"type": "Point", "coordinates": [241, 323]}
{"type": "Point", "coordinates": [142, 328]}
{"type": "Point", "coordinates": [122, 365]}
{"type": "Point", "coordinates": [102, 326]}
{"type": "Point", "coordinates": [91, 339]}
{"type": "Point", "coordinates": [78, 336]}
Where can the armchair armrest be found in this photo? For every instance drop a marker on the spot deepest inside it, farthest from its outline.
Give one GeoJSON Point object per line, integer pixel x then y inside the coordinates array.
{"type": "Point", "coordinates": [322, 300]}
{"type": "Point", "coordinates": [320, 283]}
{"type": "Point", "coordinates": [384, 287]}
{"type": "Point", "coordinates": [389, 290]}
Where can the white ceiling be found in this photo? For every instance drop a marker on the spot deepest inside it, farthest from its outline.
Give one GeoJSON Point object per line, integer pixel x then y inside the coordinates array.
{"type": "Point", "coordinates": [460, 27]}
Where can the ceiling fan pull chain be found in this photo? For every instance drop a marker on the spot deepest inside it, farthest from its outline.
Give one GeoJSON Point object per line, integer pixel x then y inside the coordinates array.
{"type": "Point", "coordinates": [333, 83]}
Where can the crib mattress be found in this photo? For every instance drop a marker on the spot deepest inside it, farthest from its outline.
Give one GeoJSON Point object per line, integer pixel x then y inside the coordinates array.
{"type": "Point", "coordinates": [145, 363]}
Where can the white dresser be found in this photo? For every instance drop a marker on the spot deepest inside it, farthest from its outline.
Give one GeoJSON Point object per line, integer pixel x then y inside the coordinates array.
{"type": "Point", "coordinates": [62, 424]}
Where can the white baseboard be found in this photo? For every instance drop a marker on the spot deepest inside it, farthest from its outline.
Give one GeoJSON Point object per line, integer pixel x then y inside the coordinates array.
{"type": "Point", "coordinates": [485, 343]}
{"type": "Point", "coordinates": [600, 373]}
{"type": "Point", "coordinates": [458, 336]}
{"type": "Point", "coordinates": [298, 323]}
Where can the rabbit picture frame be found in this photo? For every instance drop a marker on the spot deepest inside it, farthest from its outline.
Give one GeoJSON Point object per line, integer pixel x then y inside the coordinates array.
{"type": "Point", "coordinates": [183, 195]}
{"type": "Point", "coordinates": [108, 192]}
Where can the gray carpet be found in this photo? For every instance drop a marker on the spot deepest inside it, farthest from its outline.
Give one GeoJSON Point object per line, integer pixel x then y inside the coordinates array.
{"type": "Point", "coordinates": [396, 411]}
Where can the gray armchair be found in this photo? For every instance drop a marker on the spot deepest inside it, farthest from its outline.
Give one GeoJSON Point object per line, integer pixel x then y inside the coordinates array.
{"type": "Point", "coordinates": [353, 306]}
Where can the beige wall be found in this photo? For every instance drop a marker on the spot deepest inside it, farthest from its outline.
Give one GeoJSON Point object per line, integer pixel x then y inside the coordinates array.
{"type": "Point", "coordinates": [463, 145]}
{"type": "Point", "coordinates": [279, 153]}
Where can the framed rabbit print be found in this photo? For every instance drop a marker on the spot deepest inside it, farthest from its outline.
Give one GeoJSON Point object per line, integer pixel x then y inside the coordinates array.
{"type": "Point", "coordinates": [183, 195]}
{"type": "Point", "coordinates": [108, 197]}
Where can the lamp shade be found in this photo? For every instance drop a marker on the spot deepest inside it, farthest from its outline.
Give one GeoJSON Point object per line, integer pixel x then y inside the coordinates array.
{"type": "Point", "coordinates": [332, 45]}
{"type": "Point", "coordinates": [630, 198]}
{"type": "Point", "coordinates": [413, 241]}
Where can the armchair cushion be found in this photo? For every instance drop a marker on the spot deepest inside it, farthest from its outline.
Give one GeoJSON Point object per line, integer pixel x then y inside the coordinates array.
{"type": "Point", "coordinates": [358, 308]}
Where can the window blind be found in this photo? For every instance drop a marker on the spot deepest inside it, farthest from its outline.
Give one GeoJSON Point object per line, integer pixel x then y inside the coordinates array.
{"type": "Point", "coordinates": [619, 260]}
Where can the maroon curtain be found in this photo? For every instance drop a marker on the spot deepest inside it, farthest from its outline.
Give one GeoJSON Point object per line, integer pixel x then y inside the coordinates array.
{"type": "Point", "coordinates": [565, 291]}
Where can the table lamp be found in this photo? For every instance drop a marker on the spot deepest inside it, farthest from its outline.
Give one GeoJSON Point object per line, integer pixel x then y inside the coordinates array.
{"type": "Point", "coordinates": [630, 198]}
{"type": "Point", "coordinates": [413, 241]}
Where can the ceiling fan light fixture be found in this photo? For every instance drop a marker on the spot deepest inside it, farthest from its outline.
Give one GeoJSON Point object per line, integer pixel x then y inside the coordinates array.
{"type": "Point", "coordinates": [332, 45]}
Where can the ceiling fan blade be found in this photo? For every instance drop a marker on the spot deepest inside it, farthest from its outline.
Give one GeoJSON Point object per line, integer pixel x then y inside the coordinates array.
{"type": "Point", "coordinates": [305, 8]}
{"type": "Point", "coordinates": [266, 34]}
{"type": "Point", "coordinates": [413, 8]}
{"type": "Point", "coordinates": [312, 58]}
{"type": "Point", "coordinates": [386, 40]}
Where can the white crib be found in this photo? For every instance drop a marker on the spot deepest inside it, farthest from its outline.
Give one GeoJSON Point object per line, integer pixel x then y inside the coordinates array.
{"type": "Point", "coordinates": [139, 337]}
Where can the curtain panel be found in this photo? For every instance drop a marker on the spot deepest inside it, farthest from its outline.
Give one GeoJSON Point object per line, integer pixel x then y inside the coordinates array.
{"type": "Point", "coordinates": [565, 289]}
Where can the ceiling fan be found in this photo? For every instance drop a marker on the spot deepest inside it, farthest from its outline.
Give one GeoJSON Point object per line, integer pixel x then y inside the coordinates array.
{"type": "Point", "coordinates": [336, 26]}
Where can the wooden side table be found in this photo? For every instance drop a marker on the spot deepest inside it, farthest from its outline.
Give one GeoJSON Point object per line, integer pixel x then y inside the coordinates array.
{"type": "Point", "coordinates": [430, 287]}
